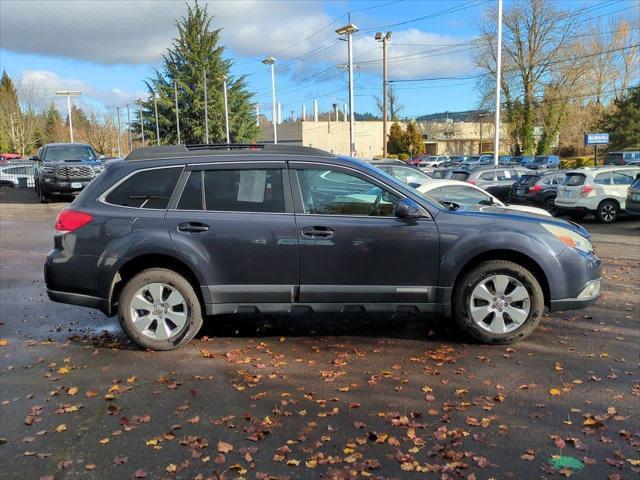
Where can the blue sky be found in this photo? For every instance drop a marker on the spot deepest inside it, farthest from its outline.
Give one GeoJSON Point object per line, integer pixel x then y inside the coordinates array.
{"type": "Point", "coordinates": [107, 48]}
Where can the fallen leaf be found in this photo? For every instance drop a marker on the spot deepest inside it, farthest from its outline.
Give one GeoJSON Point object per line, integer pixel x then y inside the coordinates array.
{"type": "Point", "coordinates": [4, 342]}
{"type": "Point", "coordinates": [224, 447]}
{"type": "Point", "coordinates": [554, 391]}
{"type": "Point", "coordinates": [171, 468]}
{"type": "Point", "coordinates": [72, 390]}
{"type": "Point", "coordinates": [140, 473]}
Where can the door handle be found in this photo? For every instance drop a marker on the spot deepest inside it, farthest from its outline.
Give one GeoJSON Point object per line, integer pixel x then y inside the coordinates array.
{"type": "Point", "coordinates": [317, 232]}
{"type": "Point", "coordinates": [193, 227]}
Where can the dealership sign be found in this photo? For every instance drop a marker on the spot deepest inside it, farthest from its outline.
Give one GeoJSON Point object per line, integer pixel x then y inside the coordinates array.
{"type": "Point", "coordinates": [596, 138]}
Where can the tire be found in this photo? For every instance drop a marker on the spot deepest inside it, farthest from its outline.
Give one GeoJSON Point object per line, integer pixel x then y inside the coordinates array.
{"type": "Point", "coordinates": [44, 198]}
{"type": "Point", "coordinates": [607, 211]}
{"type": "Point", "coordinates": [550, 205]}
{"type": "Point", "coordinates": [153, 337]}
{"type": "Point", "coordinates": [528, 312]}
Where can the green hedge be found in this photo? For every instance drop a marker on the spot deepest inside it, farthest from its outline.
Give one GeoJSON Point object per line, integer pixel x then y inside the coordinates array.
{"type": "Point", "coordinates": [403, 156]}
{"type": "Point", "coordinates": [392, 155]}
{"type": "Point", "coordinates": [576, 162]}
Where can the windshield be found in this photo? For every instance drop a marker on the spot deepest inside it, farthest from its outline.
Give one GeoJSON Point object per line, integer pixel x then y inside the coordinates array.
{"type": "Point", "coordinates": [471, 159]}
{"type": "Point", "coordinates": [70, 153]}
{"type": "Point", "coordinates": [540, 160]}
{"type": "Point", "coordinates": [409, 175]}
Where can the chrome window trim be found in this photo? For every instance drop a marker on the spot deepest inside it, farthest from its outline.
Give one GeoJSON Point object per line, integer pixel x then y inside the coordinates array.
{"type": "Point", "coordinates": [227, 211]}
{"type": "Point", "coordinates": [103, 195]}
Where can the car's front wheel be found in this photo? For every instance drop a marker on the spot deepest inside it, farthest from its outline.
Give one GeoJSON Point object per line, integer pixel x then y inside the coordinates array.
{"type": "Point", "coordinates": [498, 302]}
{"type": "Point", "coordinates": [159, 309]}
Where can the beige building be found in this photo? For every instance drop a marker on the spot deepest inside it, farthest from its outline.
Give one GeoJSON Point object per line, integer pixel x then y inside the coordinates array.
{"type": "Point", "coordinates": [440, 138]}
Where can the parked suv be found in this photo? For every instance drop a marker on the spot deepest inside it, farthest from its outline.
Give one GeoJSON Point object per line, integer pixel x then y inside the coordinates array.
{"type": "Point", "coordinates": [400, 170]}
{"type": "Point", "coordinates": [174, 233]}
{"type": "Point", "coordinates": [537, 188]}
{"type": "Point", "coordinates": [622, 158]}
{"type": "Point", "coordinates": [544, 161]}
{"type": "Point", "coordinates": [64, 169]}
{"type": "Point", "coordinates": [598, 190]}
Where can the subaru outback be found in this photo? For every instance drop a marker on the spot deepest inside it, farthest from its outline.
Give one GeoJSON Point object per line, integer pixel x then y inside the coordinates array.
{"type": "Point", "coordinates": [172, 235]}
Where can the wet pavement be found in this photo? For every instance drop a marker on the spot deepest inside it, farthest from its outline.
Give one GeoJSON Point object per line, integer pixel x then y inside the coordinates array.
{"type": "Point", "coordinates": [308, 397]}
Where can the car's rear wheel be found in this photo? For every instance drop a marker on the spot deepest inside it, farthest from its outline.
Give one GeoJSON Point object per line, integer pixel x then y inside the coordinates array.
{"type": "Point", "coordinates": [159, 309]}
{"type": "Point", "coordinates": [498, 302]}
{"type": "Point", "coordinates": [607, 212]}
{"type": "Point", "coordinates": [550, 206]}
{"type": "Point", "coordinates": [43, 197]}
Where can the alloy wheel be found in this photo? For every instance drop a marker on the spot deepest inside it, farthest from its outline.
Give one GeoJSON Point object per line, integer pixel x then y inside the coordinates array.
{"type": "Point", "coordinates": [608, 212]}
{"type": "Point", "coordinates": [499, 304]}
{"type": "Point", "coordinates": [158, 311]}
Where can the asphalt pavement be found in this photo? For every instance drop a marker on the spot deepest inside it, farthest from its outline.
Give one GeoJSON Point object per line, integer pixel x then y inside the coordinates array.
{"type": "Point", "coordinates": [308, 397]}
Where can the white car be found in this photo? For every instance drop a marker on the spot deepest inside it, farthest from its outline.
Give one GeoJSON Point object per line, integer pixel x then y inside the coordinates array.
{"type": "Point", "coordinates": [11, 173]}
{"type": "Point", "coordinates": [433, 162]}
{"type": "Point", "coordinates": [598, 190]}
{"type": "Point", "coordinates": [464, 193]}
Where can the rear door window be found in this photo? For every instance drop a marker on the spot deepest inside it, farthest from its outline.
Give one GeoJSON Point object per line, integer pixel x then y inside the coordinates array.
{"type": "Point", "coordinates": [460, 176]}
{"type": "Point", "coordinates": [146, 189]}
{"type": "Point", "coordinates": [620, 178]}
{"type": "Point", "coordinates": [574, 179]}
{"type": "Point", "coordinates": [487, 176]}
{"type": "Point", "coordinates": [603, 178]}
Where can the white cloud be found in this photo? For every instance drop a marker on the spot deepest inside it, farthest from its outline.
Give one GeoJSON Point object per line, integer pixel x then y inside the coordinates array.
{"type": "Point", "coordinates": [43, 85]}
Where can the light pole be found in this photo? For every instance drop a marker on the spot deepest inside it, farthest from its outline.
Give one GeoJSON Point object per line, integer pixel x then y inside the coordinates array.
{"type": "Point", "coordinates": [496, 140]}
{"type": "Point", "coordinates": [129, 128]}
{"type": "Point", "coordinates": [271, 61]}
{"type": "Point", "coordinates": [348, 30]}
{"type": "Point", "coordinates": [141, 121]}
{"type": "Point", "coordinates": [206, 110]}
{"type": "Point", "coordinates": [155, 105]}
{"type": "Point", "coordinates": [69, 94]}
{"type": "Point", "coordinates": [119, 146]}
{"type": "Point", "coordinates": [226, 107]}
{"type": "Point", "coordinates": [175, 95]}
{"type": "Point", "coordinates": [380, 37]}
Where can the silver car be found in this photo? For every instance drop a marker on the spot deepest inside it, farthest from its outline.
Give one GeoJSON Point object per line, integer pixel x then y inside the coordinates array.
{"type": "Point", "coordinates": [497, 181]}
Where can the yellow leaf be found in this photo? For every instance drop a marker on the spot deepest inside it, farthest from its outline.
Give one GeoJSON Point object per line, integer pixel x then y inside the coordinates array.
{"type": "Point", "coordinates": [152, 442]}
{"type": "Point", "coordinates": [72, 390]}
{"type": "Point", "coordinates": [114, 388]}
{"type": "Point", "coordinates": [589, 422]}
{"type": "Point", "coordinates": [293, 462]}
{"type": "Point", "coordinates": [171, 468]}
{"type": "Point", "coordinates": [635, 463]}
{"type": "Point", "coordinates": [131, 379]}
{"type": "Point", "coordinates": [554, 392]}
{"type": "Point", "coordinates": [61, 428]}
{"type": "Point", "coordinates": [224, 447]}
{"type": "Point", "coordinates": [91, 393]}
{"type": "Point", "coordinates": [4, 342]}
{"type": "Point", "coordinates": [63, 370]}
{"type": "Point", "coordinates": [104, 441]}
{"type": "Point", "coordinates": [311, 464]}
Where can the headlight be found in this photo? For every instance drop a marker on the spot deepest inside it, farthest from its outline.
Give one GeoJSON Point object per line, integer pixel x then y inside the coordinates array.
{"type": "Point", "coordinates": [568, 237]}
{"type": "Point", "coordinates": [48, 170]}
{"type": "Point", "coordinates": [99, 169]}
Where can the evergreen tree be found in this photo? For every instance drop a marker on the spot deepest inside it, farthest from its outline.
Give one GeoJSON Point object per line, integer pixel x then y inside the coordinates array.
{"type": "Point", "coordinates": [623, 123]}
{"type": "Point", "coordinates": [414, 140]}
{"type": "Point", "coordinates": [195, 50]}
{"type": "Point", "coordinates": [396, 142]}
{"type": "Point", "coordinates": [9, 107]}
{"type": "Point", "coordinates": [52, 125]}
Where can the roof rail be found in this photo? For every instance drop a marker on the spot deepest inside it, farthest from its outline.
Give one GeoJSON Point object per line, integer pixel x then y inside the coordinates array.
{"type": "Point", "coordinates": [174, 151]}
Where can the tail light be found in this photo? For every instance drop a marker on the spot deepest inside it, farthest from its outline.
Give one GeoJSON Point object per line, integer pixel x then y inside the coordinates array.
{"type": "Point", "coordinates": [472, 182]}
{"type": "Point", "coordinates": [535, 188]}
{"type": "Point", "coordinates": [586, 190]}
{"type": "Point", "coordinates": [70, 220]}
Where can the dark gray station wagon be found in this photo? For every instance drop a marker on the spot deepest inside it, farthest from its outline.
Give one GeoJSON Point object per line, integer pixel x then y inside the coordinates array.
{"type": "Point", "coordinates": [174, 234]}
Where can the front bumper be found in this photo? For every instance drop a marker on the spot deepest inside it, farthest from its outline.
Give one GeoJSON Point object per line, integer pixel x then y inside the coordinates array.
{"type": "Point", "coordinates": [54, 186]}
{"type": "Point", "coordinates": [588, 296]}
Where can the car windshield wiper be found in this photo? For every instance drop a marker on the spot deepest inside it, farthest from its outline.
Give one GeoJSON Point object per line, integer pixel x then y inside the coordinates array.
{"type": "Point", "coordinates": [450, 205]}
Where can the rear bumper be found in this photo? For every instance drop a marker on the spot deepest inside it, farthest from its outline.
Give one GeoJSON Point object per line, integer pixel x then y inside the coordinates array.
{"type": "Point", "coordinates": [79, 299]}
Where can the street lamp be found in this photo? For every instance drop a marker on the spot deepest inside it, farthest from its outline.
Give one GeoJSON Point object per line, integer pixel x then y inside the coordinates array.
{"type": "Point", "coordinates": [380, 37]}
{"type": "Point", "coordinates": [69, 94]}
{"type": "Point", "coordinates": [271, 61]}
{"type": "Point", "coordinates": [226, 107]}
{"type": "Point", "coordinates": [348, 30]}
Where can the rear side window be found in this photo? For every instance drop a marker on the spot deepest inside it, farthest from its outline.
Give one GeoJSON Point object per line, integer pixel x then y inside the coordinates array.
{"type": "Point", "coordinates": [603, 178]}
{"type": "Point", "coordinates": [574, 179]}
{"type": "Point", "coordinates": [487, 176]}
{"type": "Point", "coordinates": [146, 189]}
{"type": "Point", "coordinates": [528, 179]}
{"type": "Point", "coordinates": [234, 191]}
{"type": "Point", "coordinates": [461, 176]}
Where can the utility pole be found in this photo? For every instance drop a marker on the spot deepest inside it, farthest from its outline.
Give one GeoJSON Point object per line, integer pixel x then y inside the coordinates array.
{"type": "Point", "coordinates": [226, 108]}
{"type": "Point", "coordinates": [155, 104]}
{"type": "Point", "coordinates": [206, 110]}
{"type": "Point", "coordinates": [348, 30]}
{"type": "Point", "coordinates": [271, 62]}
{"type": "Point", "coordinates": [496, 141]}
{"type": "Point", "coordinates": [129, 129]}
{"type": "Point", "coordinates": [141, 121]}
{"type": "Point", "coordinates": [384, 39]}
{"type": "Point", "coordinates": [118, 122]}
{"type": "Point", "coordinates": [175, 94]}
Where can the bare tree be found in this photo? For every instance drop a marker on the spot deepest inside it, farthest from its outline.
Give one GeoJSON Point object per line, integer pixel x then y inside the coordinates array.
{"type": "Point", "coordinates": [393, 104]}
{"type": "Point", "coordinates": [535, 33]}
{"type": "Point", "coordinates": [23, 122]}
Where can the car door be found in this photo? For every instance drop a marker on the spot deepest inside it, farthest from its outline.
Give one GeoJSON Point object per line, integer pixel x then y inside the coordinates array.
{"type": "Point", "coordinates": [353, 249]}
{"type": "Point", "coordinates": [236, 220]}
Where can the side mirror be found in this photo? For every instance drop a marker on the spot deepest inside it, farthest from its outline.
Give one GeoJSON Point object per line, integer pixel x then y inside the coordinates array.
{"type": "Point", "coordinates": [34, 158]}
{"type": "Point", "coordinates": [101, 157]}
{"type": "Point", "coordinates": [408, 209]}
